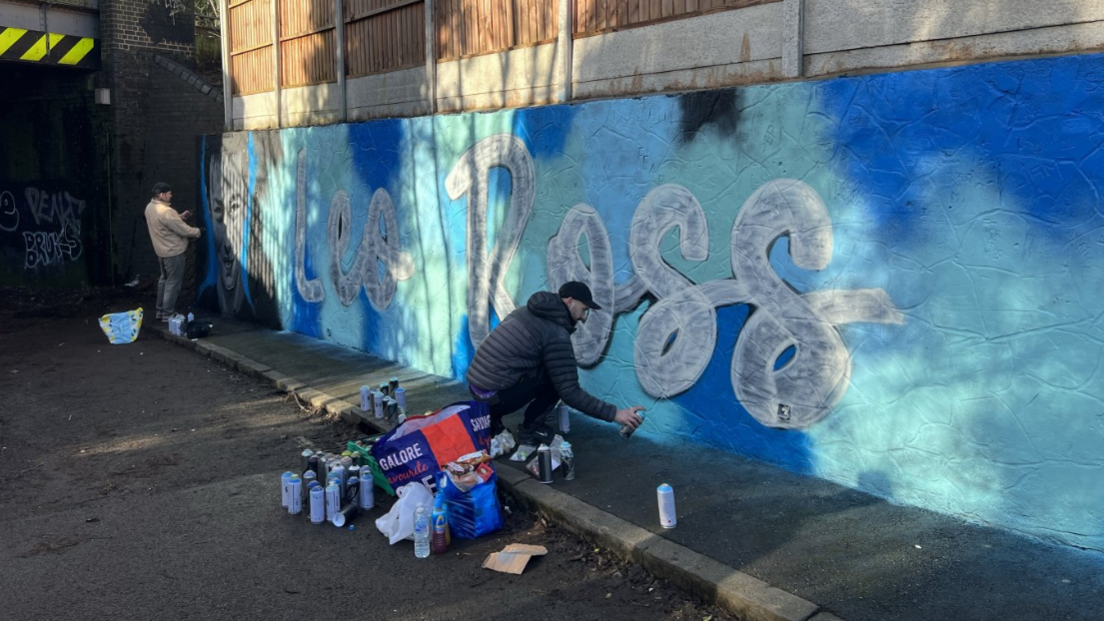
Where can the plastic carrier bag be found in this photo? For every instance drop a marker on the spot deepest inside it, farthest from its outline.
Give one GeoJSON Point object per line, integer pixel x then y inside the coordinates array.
{"type": "Point", "coordinates": [421, 446]}
{"type": "Point", "coordinates": [475, 512]}
{"type": "Point", "coordinates": [122, 328]}
{"type": "Point", "coordinates": [398, 524]}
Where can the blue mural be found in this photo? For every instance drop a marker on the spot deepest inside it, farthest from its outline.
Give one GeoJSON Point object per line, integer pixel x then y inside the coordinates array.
{"type": "Point", "coordinates": [888, 278]}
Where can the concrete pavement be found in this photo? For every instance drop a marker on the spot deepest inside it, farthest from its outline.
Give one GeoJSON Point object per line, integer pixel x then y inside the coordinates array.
{"type": "Point", "coordinates": [761, 542]}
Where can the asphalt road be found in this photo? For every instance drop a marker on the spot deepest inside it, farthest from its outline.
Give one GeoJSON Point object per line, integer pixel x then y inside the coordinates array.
{"type": "Point", "coordinates": [141, 481]}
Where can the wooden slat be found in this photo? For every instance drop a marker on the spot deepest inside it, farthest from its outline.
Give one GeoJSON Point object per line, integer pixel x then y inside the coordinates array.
{"type": "Point", "coordinates": [594, 17]}
{"type": "Point", "coordinates": [251, 72]}
{"type": "Point", "coordinates": [387, 40]}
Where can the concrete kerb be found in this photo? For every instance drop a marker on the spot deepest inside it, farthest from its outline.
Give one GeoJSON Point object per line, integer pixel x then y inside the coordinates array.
{"type": "Point", "coordinates": [726, 587]}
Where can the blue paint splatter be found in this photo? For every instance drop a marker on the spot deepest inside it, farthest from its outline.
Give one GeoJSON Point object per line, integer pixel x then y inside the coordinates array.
{"type": "Point", "coordinates": [210, 278]}
{"type": "Point", "coordinates": [375, 151]}
{"type": "Point", "coordinates": [1019, 131]}
{"type": "Point", "coordinates": [462, 350]}
{"type": "Point", "coordinates": [544, 130]}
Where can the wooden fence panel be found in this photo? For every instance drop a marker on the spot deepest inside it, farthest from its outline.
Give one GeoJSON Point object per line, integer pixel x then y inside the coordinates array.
{"type": "Point", "coordinates": [593, 17]}
{"type": "Point", "coordinates": [473, 27]}
{"type": "Point", "coordinates": [249, 25]}
{"type": "Point", "coordinates": [251, 72]}
{"type": "Point", "coordinates": [308, 42]}
{"type": "Point", "coordinates": [383, 35]}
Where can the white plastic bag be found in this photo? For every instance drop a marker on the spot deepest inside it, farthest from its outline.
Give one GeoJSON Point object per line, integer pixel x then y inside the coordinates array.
{"type": "Point", "coordinates": [502, 443]}
{"type": "Point", "coordinates": [398, 524]}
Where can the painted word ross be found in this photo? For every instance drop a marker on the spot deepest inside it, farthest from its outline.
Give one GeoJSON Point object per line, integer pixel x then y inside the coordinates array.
{"type": "Point", "coordinates": [378, 245]}
{"type": "Point", "coordinates": [678, 333]}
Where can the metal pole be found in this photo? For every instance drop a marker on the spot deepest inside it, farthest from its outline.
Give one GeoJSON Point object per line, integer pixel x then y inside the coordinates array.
{"type": "Point", "coordinates": [276, 60]}
{"type": "Point", "coordinates": [339, 17]}
{"type": "Point", "coordinates": [793, 38]}
{"type": "Point", "coordinates": [564, 42]}
{"type": "Point", "coordinates": [227, 83]}
{"type": "Point", "coordinates": [431, 55]}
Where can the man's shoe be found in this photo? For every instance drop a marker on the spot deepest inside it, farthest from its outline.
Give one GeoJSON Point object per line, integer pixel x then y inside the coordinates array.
{"type": "Point", "coordinates": [539, 434]}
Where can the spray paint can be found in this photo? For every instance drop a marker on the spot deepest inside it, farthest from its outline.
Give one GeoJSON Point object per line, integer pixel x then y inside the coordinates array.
{"type": "Point", "coordinates": [352, 491]}
{"type": "Point", "coordinates": [367, 491]}
{"type": "Point", "coordinates": [333, 499]}
{"type": "Point", "coordinates": [295, 495]}
{"type": "Point", "coordinates": [322, 470]}
{"type": "Point", "coordinates": [544, 464]}
{"type": "Point", "coordinates": [337, 475]}
{"type": "Point", "coordinates": [312, 464]}
{"type": "Point", "coordinates": [627, 431]}
{"type": "Point", "coordinates": [564, 415]}
{"type": "Point", "coordinates": [304, 459]}
{"type": "Point", "coordinates": [285, 480]}
{"type": "Point", "coordinates": [385, 389]}
{"type": "Point", "coordinates": [393, 384]}
{"type": "Point", "coordinates": [377, 400]}
{"type": "Point", "coordinates": [666, 497]}
{"type": "Point", "coordinates": [400, 397]}
{"type": "Point", "coordinates": [567, 460]}
{"type": "Point", "coordinates": [345, 515]}
{"type": "Point", "coordinates": [317, 504]}
{"type": "Point", "coordinates": [308, 477]}
{"type": "Point", "coordinates": [365, 399]}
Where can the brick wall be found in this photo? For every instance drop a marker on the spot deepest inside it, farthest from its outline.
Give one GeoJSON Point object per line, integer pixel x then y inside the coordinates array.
{"type": "Point", "coordinates": [157, 115]}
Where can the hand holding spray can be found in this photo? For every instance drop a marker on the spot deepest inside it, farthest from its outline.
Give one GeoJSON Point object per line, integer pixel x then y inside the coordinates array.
{"type": "Point", "coordinates": [626, 430]}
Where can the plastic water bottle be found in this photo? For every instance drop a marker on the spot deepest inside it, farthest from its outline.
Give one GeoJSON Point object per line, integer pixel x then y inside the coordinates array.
{"type": "Point", "coordinates": [421, 532]}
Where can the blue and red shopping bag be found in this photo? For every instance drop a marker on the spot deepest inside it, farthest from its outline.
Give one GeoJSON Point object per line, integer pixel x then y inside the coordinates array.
{"type": "Point", "coordinates": [423, 445]}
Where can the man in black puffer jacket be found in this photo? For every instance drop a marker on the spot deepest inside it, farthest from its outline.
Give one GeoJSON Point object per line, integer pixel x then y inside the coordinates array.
{"type": "Point", "coordinates": [529, 359]}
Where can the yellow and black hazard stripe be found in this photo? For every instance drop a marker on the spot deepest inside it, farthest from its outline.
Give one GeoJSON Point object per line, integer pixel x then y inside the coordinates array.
{"type": "Point", "coordinates": [34, 46]}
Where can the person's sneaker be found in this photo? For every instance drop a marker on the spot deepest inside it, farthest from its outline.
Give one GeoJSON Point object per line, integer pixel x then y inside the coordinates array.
{"type": "Point", "coordinates": [539, 434]}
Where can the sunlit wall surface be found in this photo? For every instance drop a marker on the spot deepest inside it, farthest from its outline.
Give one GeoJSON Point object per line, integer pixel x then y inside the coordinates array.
{"type": "Point", "coordinates": [892, 281]}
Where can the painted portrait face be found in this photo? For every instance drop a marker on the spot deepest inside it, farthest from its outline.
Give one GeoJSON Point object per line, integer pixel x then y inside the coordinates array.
{"type": "Point", "coordinates": [229, 192]}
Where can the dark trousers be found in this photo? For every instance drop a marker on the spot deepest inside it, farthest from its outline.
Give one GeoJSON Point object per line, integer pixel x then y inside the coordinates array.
{"type": "Point", "coordinates": [168, 286]}
{"type": "Point", "coordinates": [538, 392]}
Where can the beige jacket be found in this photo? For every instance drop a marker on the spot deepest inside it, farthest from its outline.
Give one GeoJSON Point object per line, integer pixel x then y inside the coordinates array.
{"type": "Point", "coordinates": [168, 231]}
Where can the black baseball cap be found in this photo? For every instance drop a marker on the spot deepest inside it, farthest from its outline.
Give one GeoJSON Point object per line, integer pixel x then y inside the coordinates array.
{"type": "Point", "coordinates": [161, 187]}
{"type": "Point", "coordinates": [579, 291]}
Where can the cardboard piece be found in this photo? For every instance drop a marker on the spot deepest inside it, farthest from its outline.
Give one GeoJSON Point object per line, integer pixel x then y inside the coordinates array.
{"type": "Point", "coordinates": [513, 558]}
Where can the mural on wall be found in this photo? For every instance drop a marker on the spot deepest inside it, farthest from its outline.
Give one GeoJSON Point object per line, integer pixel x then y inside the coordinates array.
{"type": "Point", "coordinates": [236, 268]}
{"type": "Point", "coordinates": [887, 281]}
{"type": "Point", "coordinates": [49, 224]}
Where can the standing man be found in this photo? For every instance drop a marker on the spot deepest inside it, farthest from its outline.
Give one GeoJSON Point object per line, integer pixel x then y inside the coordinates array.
{"type": "Point", "coordinates": [529, 359]}
{"type": "Point", "coordinates": [169, 234]}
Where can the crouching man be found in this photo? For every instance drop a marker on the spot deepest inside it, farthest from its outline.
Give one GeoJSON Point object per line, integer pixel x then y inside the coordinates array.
{"type": "Point", "coordinates": [529, 361]}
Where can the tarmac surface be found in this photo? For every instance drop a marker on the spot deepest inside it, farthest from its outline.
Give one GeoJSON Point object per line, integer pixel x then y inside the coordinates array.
{"type": "Point", "coordinates": [761, 542]}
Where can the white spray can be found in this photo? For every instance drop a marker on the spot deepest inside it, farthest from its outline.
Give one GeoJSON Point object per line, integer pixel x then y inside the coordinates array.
{"type": "Point", "coordinates": [666, 496]}
{"type": "Point", "coordinates": [317, 505]}
{"type": "Point", "coordinates": [285, 481]}
{"type": "Point", "coordinates": [333, 499]}
{"type": "Point", "coordinates": [367, 491]}
{"type": "Point", "coordinates": [295, 495]}
{"type": "Point", "coordinates": [365, 399]}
